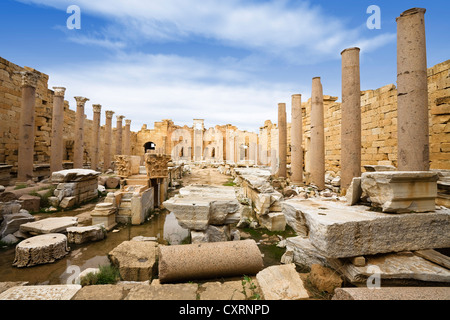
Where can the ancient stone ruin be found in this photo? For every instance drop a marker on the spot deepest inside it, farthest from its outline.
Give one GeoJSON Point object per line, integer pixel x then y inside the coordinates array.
{"type": "Point", "coordinates": [349, 192]}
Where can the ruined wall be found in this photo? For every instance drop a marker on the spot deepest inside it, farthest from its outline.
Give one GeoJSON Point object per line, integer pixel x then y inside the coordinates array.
{"type": "Point", "coordinates": [10, 109]}
{"type": "Point", "coordinates": [379, 124]}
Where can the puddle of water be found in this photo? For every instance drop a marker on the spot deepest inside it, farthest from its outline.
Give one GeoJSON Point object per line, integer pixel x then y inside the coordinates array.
{"type": "Point", "coordinates": [163, 226]}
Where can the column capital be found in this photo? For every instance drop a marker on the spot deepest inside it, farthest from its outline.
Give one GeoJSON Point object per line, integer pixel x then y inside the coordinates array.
{"type": "Point", "coordinates": [59, 91]}
{"type": "Point", "coordinates": [97, 108]}
{"type": "Point", "coordinates": [29, 78]}
{"type": "Point", "coordinates": [109, 114]}
{"type": "Point", "coordinates": [127, 122]}
{"type": "Point", "coordinates": [119, 117]}
{"type": "Point", "coordinates": [81, 101]}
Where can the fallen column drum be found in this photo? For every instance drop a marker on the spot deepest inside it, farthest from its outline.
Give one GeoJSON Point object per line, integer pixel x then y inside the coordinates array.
{"type": "Point", "coordinates": [209, 260]}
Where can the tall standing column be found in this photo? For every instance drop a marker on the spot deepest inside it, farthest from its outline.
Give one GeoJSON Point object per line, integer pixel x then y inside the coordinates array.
{"type": "Point", "coordinates": [351, 117]}
{"type": "Point", "coordinates": [26, 131]}
{"type": "Point", "coordinates": [78, 148]}
{"type": "Point", "coordinates": [296, 140]}
{"type": "Point", "coordinates": [317, 135]}
{"type": "Point", "coordinates": [127, 137]}
{"type": "Point", "coordinates": [97, 108]}
{"type": "Point", "coordinates": [119, 134]}
{"type": "Point", "coordinates": [412, 92]}
{"type": "Point", "coordinates": [282, 140]}
{"type": "Point", "coordinates": [56, 147]}
{"type": "Point", "coordinates": [198, 139]}
{"type": "Point", "coordinates": [108, 140]}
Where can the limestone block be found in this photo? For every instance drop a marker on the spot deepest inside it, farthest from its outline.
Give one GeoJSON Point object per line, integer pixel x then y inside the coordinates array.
{"type": "Point", "coordinates": [218, 233]}
{"type": "Point", "coordinates": [190, 213]}
{"type": "Point", "coordinates": [73, 175]}
{"type": "Point", "coordinates": [49, 225]}
{"type": "Point", "coordinates": [274, 221]}
{"type": "Point", "coordinates": [209, 260]}
{"type": "Point", "coordinates": [294, 218]}
{"type": "Point", "coordinates": [12, 222]}
{"type": "Point", "coordinates": [339, 231]}
{"type": "Point", "coordinates": [198, 236]}
{"type": "Point", "coordinates": [156, 291]}
{"type": "Point", "coordinates": [80, 235]}
{"type": "Point", "coordinates": [304, 253]}
{"type": "Point", "coordinates": [30, 203]}
{"type": "Point", "coordinates": [401, 191]}
{"type": "Point", "coordinates": [44, 292]}
{"type": "Point", "coordinates": [68, 202]}
{"type": "Point", "coordinates": [393, 293]}
{"type": "Point", "coordinates": [136, 260]}
{"type": "Point", "coordinates": [221, 209]}
{"type": "Point", "coordinates": [228, 290]}
{"type": "Point", "coordinates": [354, 191]}
{"type": "Point", "coordinates": [141, 204]}
{"type": "Point", "coordinates": [393, 267]}
{"type": "Point", "coordinates": [281, 282]}
{"type": "Point", "coordinates": [105, 214]}
{"type": "Point", "coordinates": [46, 248]}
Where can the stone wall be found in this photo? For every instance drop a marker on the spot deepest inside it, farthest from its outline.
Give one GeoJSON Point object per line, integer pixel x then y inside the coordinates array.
{"type": "Point", "coordinates": [379, 124]}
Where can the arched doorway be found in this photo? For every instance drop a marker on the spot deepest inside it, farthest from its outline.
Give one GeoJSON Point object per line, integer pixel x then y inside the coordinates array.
{"type": "Point", "coordinates": [149, 146]}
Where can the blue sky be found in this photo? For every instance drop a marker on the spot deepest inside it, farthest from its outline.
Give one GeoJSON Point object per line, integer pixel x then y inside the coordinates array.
{"type": "Point", "coordinates": [224, 61]}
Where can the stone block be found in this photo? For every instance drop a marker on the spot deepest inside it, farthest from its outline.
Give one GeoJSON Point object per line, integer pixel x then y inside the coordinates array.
{"type": "Point", "coordinates": [274, 221]}
{"type": "Point", "coordinates": [281, 282]}
{"type": "Point", "coordinates": [393, 293]}
{"type": "Point", "coordinates": [80, 235]}
{"type": "Point", "coordinates": [68, 202]}
{"type": "Point", "coordinates": [401, 191]}
{"type": "Point", "coordinates": [12, 222]}
{"type": "Point", "coordinates": [354, 191]}
{"type": "Point", "coordinates": [49, 225]}
{"type": "Point", "coordinates": [324, 278]}
{"type": "Point", "coordinates": [304, 253]}
{"type": "Point", "coordinates": [136, 260]}
{"type": "Point", "coordinates": [339, 231]}
{"type": "Point", "coordinates": [41, 292]}
{"type": "Point", "coordinates": [156, 291]}
{"type": "Point", "coordinates": [30, 203]}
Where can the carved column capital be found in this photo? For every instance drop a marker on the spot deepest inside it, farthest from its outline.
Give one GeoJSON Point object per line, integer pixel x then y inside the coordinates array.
{"type": "Point", "coordinates": [120, 118]}
{"type": "Point", "coordinates": [97, 108]}
{"type": "Point", "coordinates": [109, 114]}
{"type": "Point", "coordinates": [81, 101]}
{"type": "Point", "coordinates": [59, 91]}
{"type": "Point", "coordinates": [127, 122]}
{"type": "Point", "coordinates": [29, 78]}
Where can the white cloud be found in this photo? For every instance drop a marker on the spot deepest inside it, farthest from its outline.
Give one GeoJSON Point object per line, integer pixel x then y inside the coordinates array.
{"type": "Point", "coordinates": [284, 29]}
{"type": "Point", "coordinates": [148, 88]}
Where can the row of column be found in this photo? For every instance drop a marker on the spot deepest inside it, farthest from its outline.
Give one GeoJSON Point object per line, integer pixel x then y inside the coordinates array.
{"type": "Point", "coordinates": [27, 131]}
{"type": "Point", "coordinates": [412, 111]}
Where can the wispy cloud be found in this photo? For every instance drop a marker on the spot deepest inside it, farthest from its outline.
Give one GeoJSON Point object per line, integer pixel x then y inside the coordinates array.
{"type": "Point", "coordinates": [292, 30]}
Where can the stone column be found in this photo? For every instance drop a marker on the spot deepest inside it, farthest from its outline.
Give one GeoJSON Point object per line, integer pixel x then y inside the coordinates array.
{"type": "Point", "coordinates": [126, 138]}
{"type": "Point", "coordinates": [119, 134]}
{"type": "Point", "coordinates": [78, 148]}
{"type": "Point", "coordinates": [317, 135]}
{"type": "Point", "coordinates": [282, 140]}
{"type": "Point", "coordinates": [96, 136]}
{"type": "Point", "coordinates": [56, 147]}
{"type": "Point", "coordinates": [350, 118]}
{"type": "Point", "coordinates": [412, 92]}
{"type": "Point", "coordinates": [26, 131]}
{"type": "Point", "coordinates": [296, 140]}
{"type": "Point", "coordinates": [198, 139]}
{"type": "Point", "coordinates": [108, 140]}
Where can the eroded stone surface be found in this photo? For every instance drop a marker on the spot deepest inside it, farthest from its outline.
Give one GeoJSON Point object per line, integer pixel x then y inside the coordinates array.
{"type": "Point", "coordinates": [49, 225]}
{"type": "Point", "coordinates": [46, 292]}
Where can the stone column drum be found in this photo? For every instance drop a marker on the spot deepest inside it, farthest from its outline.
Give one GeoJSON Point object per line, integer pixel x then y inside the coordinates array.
{"type": "Point", "coordinates": [97, 108]}
{"type": "Point", "coordinates": [351, 117]}
{"type": "Point", "coordinates": [296, 141]}
{"type": "Point", "coordinates": [119, 134]}
{"type": "Point", "coordinates": [412, 92]}
{"type": "Point", "coordinates": [56, 147]}
{"type": "Point", "coordinates": [209, 260]}
{"type": "Point", "coordinates": [26, 131]}
{"type": "Point", "coordinates": [282, 140]}
{"type": "Point", "coordinates": [317, 135]}
{"type": "Point", "coordinates": [126, 138]}
{"type": "Point", "coordinates": [108, 140]}
{"type": "Point", "coordinates": [78, 148]}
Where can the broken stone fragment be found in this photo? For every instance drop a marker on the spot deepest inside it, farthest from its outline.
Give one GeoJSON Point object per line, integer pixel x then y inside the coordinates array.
{"type": "Point", "coordinates": [401, 191]}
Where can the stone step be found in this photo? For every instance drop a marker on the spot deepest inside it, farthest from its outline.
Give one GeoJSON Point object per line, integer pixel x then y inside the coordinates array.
{"type": "Point", "coordinates": [393, 293]}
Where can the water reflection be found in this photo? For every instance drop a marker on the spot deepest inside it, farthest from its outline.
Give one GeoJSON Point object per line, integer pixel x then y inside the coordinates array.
{"type": "Point", "coordinates": [164, 226]}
